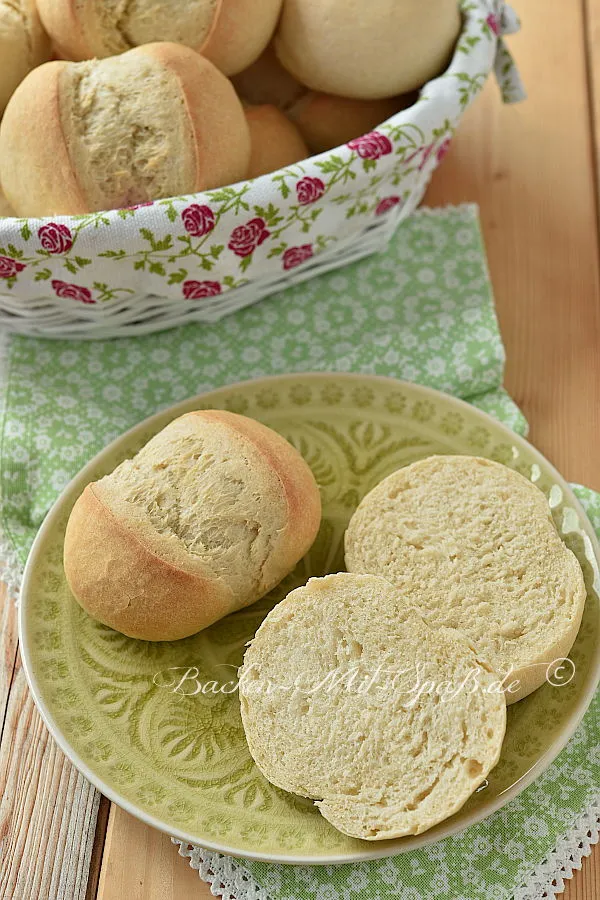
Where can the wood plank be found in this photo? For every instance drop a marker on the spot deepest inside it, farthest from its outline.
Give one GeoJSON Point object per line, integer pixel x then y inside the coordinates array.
{"type": "Point", "coordinates": [8, 650]}
{"type": "Point", "coordinates": [585, 884]}
{"type": "Point", "coordinates": [98, 848]}
{"type": "Point", "coordinates": [141, 863]}
{"type": "Point", "coordinates": [592, 30]}
{"type": "Point", "coordinates": [47, 811]}
{"type": "Point", "coordinates": [530, 168]}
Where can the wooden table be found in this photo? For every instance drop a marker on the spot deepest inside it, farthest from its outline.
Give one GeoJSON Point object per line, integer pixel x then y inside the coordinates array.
{"type": "Point", "coordinates": [534, 171]}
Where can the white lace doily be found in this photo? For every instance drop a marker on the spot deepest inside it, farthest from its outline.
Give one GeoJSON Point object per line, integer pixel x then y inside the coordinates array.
{"type": "Point", "coordinates": [229, 879]}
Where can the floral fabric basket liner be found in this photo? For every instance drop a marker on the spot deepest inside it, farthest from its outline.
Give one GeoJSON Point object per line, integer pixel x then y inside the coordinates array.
{"type": "Point", "coordinates": [202, 256]}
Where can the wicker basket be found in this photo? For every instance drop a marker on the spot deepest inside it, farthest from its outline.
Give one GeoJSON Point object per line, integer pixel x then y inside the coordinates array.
{"type": "Point", "coordinates": [200, 257]}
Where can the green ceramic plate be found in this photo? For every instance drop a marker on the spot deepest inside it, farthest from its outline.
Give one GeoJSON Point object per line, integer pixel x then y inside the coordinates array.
{"type": "Point", "coordinates": [180, 761]}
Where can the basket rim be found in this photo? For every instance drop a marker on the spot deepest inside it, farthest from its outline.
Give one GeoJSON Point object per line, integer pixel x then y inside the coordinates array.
{"type": "Point", "coordinates": [433, 96]}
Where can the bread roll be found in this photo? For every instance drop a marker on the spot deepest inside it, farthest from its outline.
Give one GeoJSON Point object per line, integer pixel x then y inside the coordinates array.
{"type": "Point", "coordinates": [267, 82]}
{"type": "Point", "coordinates": [336, 706]}
{"type": "Point", "coordinates": [326, 121]}
{"type": "Point", "coordinates": [158, 121]}
{"type": "Point", "coordinates": [6, 209]}
{"type": "Point", "coordinates": [23, 44]}
{"type": "Point", "coordinates": [230, 33]}
{"type": "Point", "coordinates": [367, 50]}
{"type": "Point", "coordinates": [209, 516]}
{"type": "Point", "coordinates": [275, 141]}
{"type": "Point", "coordinates": [472, 545]}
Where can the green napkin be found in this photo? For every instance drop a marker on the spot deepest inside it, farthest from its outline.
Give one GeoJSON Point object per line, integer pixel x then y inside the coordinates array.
{"type": "Point", "coordinates": [422, 312]}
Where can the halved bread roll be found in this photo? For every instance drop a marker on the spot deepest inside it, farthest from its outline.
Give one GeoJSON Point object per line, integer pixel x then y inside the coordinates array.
{"type": "Point", "coordinates": [230, 33]}
{"type": "Point", "coordinates": [209, 516]}
{"type": "Point", "coordinates": [350, 698]}
{"type": "Point", "coordinates": [158, 121]}
{"type": "Point", "coordinates": [472, 545]}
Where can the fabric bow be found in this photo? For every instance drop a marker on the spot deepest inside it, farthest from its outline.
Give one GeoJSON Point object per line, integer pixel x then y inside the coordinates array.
{"type": "Point", "coordinates": [506, 21]}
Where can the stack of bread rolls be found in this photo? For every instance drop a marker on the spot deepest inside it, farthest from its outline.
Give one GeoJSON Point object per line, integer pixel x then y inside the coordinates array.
{"type": "Point", "coordinates": [138, 103]}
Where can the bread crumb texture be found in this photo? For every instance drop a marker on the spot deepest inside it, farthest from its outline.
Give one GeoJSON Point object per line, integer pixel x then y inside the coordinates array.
{"type": "Point", "coordinates": [124, 24]}
{"type": "Point", "coordinates": [380, 763]}
{"type": "Point", "coordinates": [472, 544]}
{"type": "Point", "coordinates": [125, 121]}
{"type": "Point", "coordinates": [202, 496]}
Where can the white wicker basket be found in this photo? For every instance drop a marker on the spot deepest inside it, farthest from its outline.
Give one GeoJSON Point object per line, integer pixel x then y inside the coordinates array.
{"type": "Point", "coordinates": [200, 257]}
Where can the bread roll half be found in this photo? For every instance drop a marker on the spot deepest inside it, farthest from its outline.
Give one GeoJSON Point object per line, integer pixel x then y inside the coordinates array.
{"type": "Point", "coordinates": [350, 698]}
{"type": "Point", "coordinates": [471, 544]}
{"type": "Point", "coordinates": [158, 121]}
{"type": "Point", "coordinates": [209, 516]}
{"type": "Point", "coordinates": [230, 33]}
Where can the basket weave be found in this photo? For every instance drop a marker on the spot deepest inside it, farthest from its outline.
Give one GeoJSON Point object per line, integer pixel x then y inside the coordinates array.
{"type": "Point", "coordinates": [200, 257]}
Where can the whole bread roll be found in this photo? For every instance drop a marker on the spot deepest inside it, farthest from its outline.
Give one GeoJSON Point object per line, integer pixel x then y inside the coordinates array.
{"type": "Point", "coordinates": [367, 50]}
{"type": "Point", "coordinates": [230, 33]}
{"type": "Point", "coordinates": [275, 141]}
{"type": "Point", "coordinates": [158, 121]}
{"type": "Point", "coordinates": [336, 706]}
{"type": "Point", "coordinates": [267, 82]}
{"type": "Point", "coordinates": [472, 544]}
{"type": "Point", "coordinates": [326, 121]}
{"type": "Point", "coordinates": [23, 44]}
{"type": "Point", "coordinates": [209, 516]}
{"type": "Point", "coordinates": [6, 209]}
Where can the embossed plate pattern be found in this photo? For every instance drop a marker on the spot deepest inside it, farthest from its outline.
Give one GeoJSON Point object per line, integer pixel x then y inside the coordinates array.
{"type": "Point", "coordinates": [181, 762]}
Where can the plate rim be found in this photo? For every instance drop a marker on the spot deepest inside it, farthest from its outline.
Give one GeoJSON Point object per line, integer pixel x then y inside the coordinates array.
{"type": "Point", "coordinates": [386, 848]}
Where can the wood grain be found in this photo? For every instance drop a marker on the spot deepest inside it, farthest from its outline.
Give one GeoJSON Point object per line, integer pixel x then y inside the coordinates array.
{"type": "Point", "coordinates": [141, 863]}
{"type": "Point", "coordinates": [47, 811]}
{"type": "Point", "coordinates": [530, 167]}
{"type": "Point", "coordinates": [592, 33]}
{"type": "Point", "coordinates": [8, 651]}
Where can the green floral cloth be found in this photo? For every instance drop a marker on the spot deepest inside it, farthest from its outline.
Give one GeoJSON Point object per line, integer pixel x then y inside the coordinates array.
{"type": "Point", "coordinates": [423, 312]}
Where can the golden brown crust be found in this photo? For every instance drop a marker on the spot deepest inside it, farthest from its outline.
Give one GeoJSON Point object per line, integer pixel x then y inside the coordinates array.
{"type": "Point", "coordinates": [38, 165]}
{"type": "Point", "coordinates": [218, 124]}
{"type": "Point", "coordinates": [326, 121]}
{"type": "Point", "coordinates": [129, 588]}
{"type": "Point", "coordinates": [241, 31]}
{"type": "Point", "coordinates": [35, 168]}
{"type": "Point", "coordinates": [118, 576]}
{"type": "Point", "coordinates": [275, 141]}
